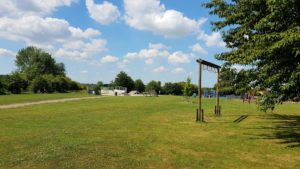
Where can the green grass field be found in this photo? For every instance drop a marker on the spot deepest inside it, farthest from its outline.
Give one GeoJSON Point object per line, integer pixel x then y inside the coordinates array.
{"type": "Point", "coordinates": [148, 132]}
{"type": "Point", "coordinates": [22, 98]}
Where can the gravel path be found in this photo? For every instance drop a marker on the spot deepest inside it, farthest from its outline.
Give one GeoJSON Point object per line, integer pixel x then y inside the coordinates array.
{"type": "Point", "coordinates": [17, 105]}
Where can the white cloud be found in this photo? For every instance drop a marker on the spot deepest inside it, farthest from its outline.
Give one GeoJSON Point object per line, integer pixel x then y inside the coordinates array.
{"type": "Point", "coordinates": [151, 15]}
{"type": "Point", "coordinates": [88, 33]}
{"type": "Point", "coordinates": [215, 39]}
{"type": "Point", "coordinates": [7, 53]}
{"type": "Point", "coordinates": [154, 51]}
{"type": "Point", "coordinates": [17, 8]}
{"type": "Point", "coordinates": [103, 13]}
{"type": "Point", "coordinates": [198, 49]}
{"type": "Point", "coordinates": [34, 29]}
{"type": "Point", "coordinates": [95, 46]}
{"type": "Point", "coordinates": [179, 57]}
{"type": "Point", "coordinates": [159, 50]}
{"type": "Point", "coordinates": [178, 71]}
{"type": "Point", "coordinates": [160, 69]}
{"type": "Point", "coordinates": [108, 59]}
{"type": "Point", "coordinates": [38, 30]}
{"type": "Point", "coordinates": [54, 35]}
{"type": "Point", "coordinates": [71, 54]}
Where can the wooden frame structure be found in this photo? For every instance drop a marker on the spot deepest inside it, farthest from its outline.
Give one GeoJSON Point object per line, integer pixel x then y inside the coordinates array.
{"type": "Point", "coordinates": [211, 67]}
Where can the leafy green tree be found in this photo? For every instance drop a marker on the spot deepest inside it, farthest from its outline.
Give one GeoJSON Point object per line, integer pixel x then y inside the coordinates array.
{"type": "Point", "coordinates": [139, 85]}
{"type": "Point", "coordinates": [16, 83]}
{"type": "Point", "coordinates": [124, 80]}
{"type": "Point", "coordinates": [168, 88]}
{"type": "Point", "coordinates": [41, 85]}
{"type": "Point", "coordinates": [266, 35]}
{"type": "Point", "coordinates": [172, 89]}
{"type": "Point", "coordinates": [34, 62]}
{"type": "Point", "coordinates": [3, 88]}
{"type": "Point", "coordinates": [243, 81]}
{"type": "Point", "coordinates": [187, 90]}
{"type": "Point", "coordinates": [98, 86]}
{"type": "Point", "coordinates": [227, 80]}
{"type": "Point", "coordinates": [153, 86]}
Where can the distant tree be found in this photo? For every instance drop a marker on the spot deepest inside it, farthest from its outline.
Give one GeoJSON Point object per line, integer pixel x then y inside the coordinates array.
{"type": "Point", "coordinates": [16, 83]}
{"type": "Point", "coordinates": [3, 84]}
{"type": "Point", "coordinates": [98, 85]}
{"type": "Point", "coordinates": [74, 86]}
{"type": "Point", "coordinates": [153, 86]}
{"type": "Point", "coordinates": [187, 90]}
{"type": "Point", "coordinates": [168, 88]}
{"type": "Point", "coordinates": [33, 62]}
{"type": "Point", "coordinates": [244, 81]}
{"type": "Point", "coordinates": [264, 34]}
{"type": "Point", "coordinates": [172, 89]}
{"type": "Point", "coordinates": [194, 88]}
{"type": "Point", "coordinates": [3, 88]}
{"type": "Point", "coordinates": [111, 84]}
{"type": "Point", "coordinates": [227, 80]}
{"type": "Point", "coordinates": [40, 85]}
{"type": "Point", "coordinates": [139, 85]}
{"type": "Point", "coordinates": [124, 80]}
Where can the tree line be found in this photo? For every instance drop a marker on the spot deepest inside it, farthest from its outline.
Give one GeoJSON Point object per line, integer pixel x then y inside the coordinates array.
{"type": "Point", "coordinates": [37, 72]}
{"type": "Point", "coordinates": [124, 80]}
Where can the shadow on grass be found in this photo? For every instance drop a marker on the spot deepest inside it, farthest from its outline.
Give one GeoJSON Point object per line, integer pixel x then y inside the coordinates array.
{"type": "Point", "coordinates": [286, 128]}
{"type": "Point", "coordinates": [240, 119]}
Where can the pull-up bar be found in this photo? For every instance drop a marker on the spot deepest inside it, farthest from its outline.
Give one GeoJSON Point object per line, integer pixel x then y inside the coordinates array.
{"type": "Point", "coordinates": [212, 66]}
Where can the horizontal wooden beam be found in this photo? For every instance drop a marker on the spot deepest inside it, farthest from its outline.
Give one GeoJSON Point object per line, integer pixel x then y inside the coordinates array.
{"type": "Point", "coordinates": [208, 63]}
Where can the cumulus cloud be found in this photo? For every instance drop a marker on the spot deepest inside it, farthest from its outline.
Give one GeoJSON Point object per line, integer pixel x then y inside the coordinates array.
{"type": "Point", "coordinates": [179, 57]}
{"type": "Point", "coordinates": [38, 30]}
{"type": "Point", "coordinates": [178, 71]}
{"type": "Point", "coordinates": [7, 53]}
{"type": "Point", "coordinates": [215, 39]}
{"type": "Point", "coordinates": [104, 13]}
{"type": "Point", "coordinates": [56, 36]}
{"type": "Point", "coordinates": [108, 59]}
{"type": "Point", "coordinates": [17, 8]}
{"type": "Point", "coordinates": [152, 52]}
{"type": "Point", "coordinates": [82, 50]}
{"type": "Point", "coordinates": [26, 21]}
{"type": "Point", "coordinates": [151, 15]}
{"type": "Point", "coordinates": [198, 49]}
{"type": "Point", "coordinates": [159, 50]}
{"type": "Point", "coordinates": [160, 69]}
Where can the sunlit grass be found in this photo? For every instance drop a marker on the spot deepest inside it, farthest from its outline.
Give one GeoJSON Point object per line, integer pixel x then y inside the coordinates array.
{"type": "Point", "coordinates": [148, 132]}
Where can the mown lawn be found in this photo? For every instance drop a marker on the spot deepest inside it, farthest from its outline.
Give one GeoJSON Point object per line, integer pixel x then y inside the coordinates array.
{"type": "Point", "coordinates": [23, 98]}
{"type": "Point", "coordinates": [148, 132]}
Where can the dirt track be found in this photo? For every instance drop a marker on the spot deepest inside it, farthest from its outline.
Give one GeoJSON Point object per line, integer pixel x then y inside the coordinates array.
{"type": "Point", "coordinates": [17, 105]}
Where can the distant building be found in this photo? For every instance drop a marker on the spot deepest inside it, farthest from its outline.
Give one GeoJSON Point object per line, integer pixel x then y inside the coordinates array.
{"type": "Point", "coordinates": [135, 93]}
{"type": "Point", "coordinates": [114, 91]}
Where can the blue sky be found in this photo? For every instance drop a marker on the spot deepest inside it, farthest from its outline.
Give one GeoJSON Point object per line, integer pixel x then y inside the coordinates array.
{"type": "Point", "coordinates": [96, 39]}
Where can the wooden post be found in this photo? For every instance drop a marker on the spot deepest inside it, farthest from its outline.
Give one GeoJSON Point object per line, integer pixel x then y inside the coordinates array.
{"type": "Point", "coordinates": [199, 90]}
{"type": "Point", "coordinates": [217, 89]}
{"type": "Point", "coordinates": [202, 115]}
